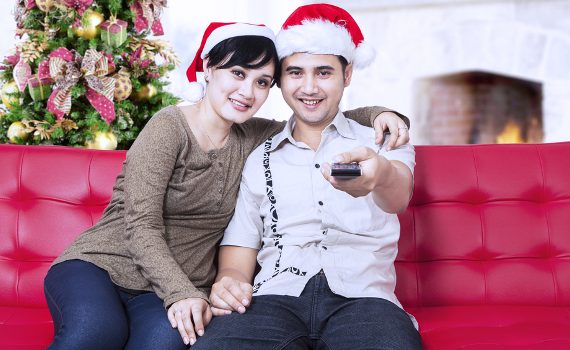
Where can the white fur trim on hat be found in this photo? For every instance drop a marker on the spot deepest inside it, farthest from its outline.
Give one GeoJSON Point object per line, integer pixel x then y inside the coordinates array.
{"type": "Point", "coordinates": [232, 30]}
{"type": "Point", "coordinates": [324, 38]}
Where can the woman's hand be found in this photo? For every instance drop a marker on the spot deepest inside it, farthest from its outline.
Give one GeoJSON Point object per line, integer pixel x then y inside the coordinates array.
{"type": "Point", "coordinates": [399, 133]}
{"type": "Point", "coordinates": [190, 316]}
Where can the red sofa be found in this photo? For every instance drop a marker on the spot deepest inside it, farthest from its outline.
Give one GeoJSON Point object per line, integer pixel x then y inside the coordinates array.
{"type": "Point", "coordinates": [484, 258]}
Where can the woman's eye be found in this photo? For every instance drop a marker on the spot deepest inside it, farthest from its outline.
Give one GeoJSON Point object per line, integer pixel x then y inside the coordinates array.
{"type": "Point", "coordinates": [238, 73]}
{"type": "Point", "coordinates": [263, 83]}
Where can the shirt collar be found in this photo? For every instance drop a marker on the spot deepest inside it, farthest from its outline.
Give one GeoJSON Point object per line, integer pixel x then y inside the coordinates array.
{"type": "Point", "coordinates": [339, 124]}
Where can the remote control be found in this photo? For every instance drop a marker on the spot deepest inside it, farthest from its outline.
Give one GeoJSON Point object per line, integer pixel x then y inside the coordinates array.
{"type": "Point", "coordinates": [345, 171]}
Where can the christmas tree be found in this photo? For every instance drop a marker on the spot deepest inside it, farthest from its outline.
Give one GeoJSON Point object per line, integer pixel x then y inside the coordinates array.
{"type": "Point", "coordinates": [85, 72]}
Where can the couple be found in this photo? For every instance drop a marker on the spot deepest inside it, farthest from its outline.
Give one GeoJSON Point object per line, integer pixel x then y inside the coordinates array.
{"type": "Point", "coordinates": [141, 277]}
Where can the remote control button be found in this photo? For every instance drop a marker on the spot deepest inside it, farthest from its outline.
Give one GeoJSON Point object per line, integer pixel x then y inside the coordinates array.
{"type": "Point", "coordinates": [321, 203]}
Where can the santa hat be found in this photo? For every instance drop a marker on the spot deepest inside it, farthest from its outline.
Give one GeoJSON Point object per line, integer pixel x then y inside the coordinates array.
{"type": "Point", "coordinates": [324, 29]}
{"type": "Point", "coordinates": [214, 34]}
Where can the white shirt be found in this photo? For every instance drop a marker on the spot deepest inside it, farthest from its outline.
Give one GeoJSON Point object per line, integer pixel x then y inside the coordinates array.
{"type": "Point", "coordinates": [316, 226]}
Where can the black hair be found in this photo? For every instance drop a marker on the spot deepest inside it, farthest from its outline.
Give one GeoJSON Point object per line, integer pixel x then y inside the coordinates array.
{"type": "Point", "coordinates": [248, 51]}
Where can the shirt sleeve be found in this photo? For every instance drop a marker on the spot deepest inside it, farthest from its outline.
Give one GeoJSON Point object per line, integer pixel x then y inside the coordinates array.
{"type": "Point", "coordinates": [148, 168]}
{"type": "Point", "coordinates": [366, 115]}
{"type": "Point", "coordinates": [405, 154]}
{"type": "Point", "coordinates": [246, 226]}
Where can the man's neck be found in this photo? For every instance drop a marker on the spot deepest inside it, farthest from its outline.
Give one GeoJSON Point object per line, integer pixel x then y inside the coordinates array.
{"type": "Point", "coordinates": [310, 133]}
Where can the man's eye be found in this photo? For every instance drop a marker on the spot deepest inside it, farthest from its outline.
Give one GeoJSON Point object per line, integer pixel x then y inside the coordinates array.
{"type": "Point", "coordinates": [324, 73]}
{"type": "Point", "coordinates": [295, 73]}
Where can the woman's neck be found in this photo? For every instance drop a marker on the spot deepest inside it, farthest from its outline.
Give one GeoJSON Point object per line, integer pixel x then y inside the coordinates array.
{"type": "Point", "coordinates": [211, 130]}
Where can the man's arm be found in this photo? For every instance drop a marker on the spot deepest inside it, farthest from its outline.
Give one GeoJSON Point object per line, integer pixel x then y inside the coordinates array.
{"type": "Point", "coordinates": [389, 181]}
{"type": "Point", "coordinates": [233, 288]}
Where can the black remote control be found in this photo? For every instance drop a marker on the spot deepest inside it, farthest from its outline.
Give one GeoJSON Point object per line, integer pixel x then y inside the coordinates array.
{"type": "Point", "coordinates": [345, 171]}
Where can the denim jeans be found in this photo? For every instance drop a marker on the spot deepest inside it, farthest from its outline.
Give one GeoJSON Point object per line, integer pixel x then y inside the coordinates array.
{"type": "Point", "coordinates": [317, 319]}
{"type": "Point", "coordinates": [91, 312]}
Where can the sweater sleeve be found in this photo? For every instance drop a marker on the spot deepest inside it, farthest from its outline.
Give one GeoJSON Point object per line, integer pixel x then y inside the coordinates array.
{"type": "Point", "coordinates": [366, 115]}
{"type": "Point", "coordinates": [149, 167]}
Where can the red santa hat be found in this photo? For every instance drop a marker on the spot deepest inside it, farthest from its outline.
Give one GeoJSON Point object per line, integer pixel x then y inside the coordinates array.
{"type": "Point", "coordinates": [214, 34]}
{"type": "Point", "coordinates": [324, 29]}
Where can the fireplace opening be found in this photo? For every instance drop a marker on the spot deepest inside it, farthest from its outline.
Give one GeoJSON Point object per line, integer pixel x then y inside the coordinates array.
{"type": "Point", "coordinates": [479, 107]}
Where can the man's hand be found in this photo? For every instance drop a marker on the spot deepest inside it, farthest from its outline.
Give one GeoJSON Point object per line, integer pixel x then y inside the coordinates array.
{"type": "Point", "coordinates": [229, 294]}
{"type": "Point", "coordinates": [190, 316]}
{"type": "Point", "coordinates": [399, 133]}
{"type": "Point", "coordinates": [373, 168]}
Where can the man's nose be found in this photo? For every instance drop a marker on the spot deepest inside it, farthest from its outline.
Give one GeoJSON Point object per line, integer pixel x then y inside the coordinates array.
{"type": "Point", "coordinates": [310, 85]}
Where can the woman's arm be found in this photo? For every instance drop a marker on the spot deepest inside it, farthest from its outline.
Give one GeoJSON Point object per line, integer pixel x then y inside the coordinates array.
{"type": "Point", "coordinates": [148, 169]}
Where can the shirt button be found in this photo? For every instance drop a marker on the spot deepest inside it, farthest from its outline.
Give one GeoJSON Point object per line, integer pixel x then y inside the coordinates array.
{"type": "Point", "coordinates": [213, 156]}
{"type": "Point", "coordinates": [324, 232]}
{"type": "Point", "coordinates": [218, 203]}
{"type": "Point", "coordinates": [325, 248]}
{"type": "Point", "coordinates": [220, 190]}
{"type": "Point", "coordinates": [321, 203]}
{"type": "Point", "coordinates": [317, 166]}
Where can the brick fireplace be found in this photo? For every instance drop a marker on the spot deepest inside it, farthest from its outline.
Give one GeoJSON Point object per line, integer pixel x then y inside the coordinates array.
{"type": "Point", "coordinates": [480, 107]}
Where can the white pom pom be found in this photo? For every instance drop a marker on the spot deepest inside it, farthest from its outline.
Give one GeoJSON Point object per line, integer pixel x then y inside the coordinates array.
{"type": "Point", "coordinates": [195, 92]}
{"type": "Point", "coordinates": [363, 55]}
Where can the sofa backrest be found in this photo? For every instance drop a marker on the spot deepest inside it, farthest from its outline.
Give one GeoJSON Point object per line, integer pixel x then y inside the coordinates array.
{"type": "Point", "coordinates": [48, 196]}
{"type": "Point", "coordinates": [487, 224]}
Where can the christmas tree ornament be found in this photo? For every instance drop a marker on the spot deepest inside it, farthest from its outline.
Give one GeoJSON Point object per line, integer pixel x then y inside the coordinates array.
{"type": "Point", "coordinates": [45, 5]}
{"type": "Point", "coordinates": [145, 93]}
{"type": "Point", "coordinates": [21, 74]}
{"type": "Point", "coordinates": [39, 89]}
{"type": "Point", "coordinates": [17, 132]}
{"type": "Point", "coordinates": [100, 87]}
{"type": "Point", "coordinates": [123, 85]}
{"type": "Point", "coordinates": [65, 74]}
{"type": "Point", "coordinates": [114, 32]}
{"type": "Point", "coordinates": [10, 95]}
{"type": "Point", "coordinates": [90, 22]}
{"type": "Point", "coordinates": [148, 14]}
{"type": "Point", "coordinates": [103, 141]}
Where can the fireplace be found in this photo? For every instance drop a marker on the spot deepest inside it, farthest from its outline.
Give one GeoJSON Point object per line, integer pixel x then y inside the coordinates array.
{"type": "Point", "coordinates": [480, 107]}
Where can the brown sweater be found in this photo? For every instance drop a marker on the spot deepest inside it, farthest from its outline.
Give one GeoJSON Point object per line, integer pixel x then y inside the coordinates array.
{"type": "Point", "coordinates": [170, 206]}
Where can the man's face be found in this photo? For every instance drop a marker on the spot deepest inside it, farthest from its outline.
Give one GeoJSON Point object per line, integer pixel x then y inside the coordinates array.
{"type": "Point", "coordinates": [312, 85]}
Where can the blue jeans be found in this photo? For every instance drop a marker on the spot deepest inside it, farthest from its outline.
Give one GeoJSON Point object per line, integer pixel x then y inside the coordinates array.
{"type": "Point", "coordinates": [91, 312]}
{"type": "Point", "coordinates": [317, 319]}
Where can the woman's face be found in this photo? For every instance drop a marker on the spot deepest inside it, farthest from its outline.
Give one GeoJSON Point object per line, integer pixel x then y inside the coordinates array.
{"type": "Point", "coordinates": [237, 93]}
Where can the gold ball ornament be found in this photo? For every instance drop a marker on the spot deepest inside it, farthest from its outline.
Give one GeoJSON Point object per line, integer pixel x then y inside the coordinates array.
{"type": "Point", "coordinates": [90, 24]}
{"type": "Point", "coordinates": [145, 92]}
{"type": "Point", "coordinates": [45, 5]}
{"type": "Point", "coordinates": [10, 95]}
{"type": "Point", "coordinates": [123, 85]}
{"type": "Point", "coordinates": [102, 140]}
{"type": "Point", "coordinates": [17, 132]}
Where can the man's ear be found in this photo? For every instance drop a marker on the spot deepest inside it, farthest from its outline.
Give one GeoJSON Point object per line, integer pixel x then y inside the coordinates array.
{"type": "Point", "coordinates": [347, 74]}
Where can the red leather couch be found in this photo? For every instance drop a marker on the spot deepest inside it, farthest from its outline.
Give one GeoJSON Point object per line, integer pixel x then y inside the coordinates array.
{"type": "Point", "coordinates": [484, 258]}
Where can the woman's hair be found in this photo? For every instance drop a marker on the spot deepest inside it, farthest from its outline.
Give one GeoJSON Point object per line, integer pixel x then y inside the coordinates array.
{"type": "Point", "coordinates": [249, 51]}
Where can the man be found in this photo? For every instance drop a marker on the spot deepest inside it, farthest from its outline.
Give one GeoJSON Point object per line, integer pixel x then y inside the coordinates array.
{"type": "Point", "coordinates": [326, 245]}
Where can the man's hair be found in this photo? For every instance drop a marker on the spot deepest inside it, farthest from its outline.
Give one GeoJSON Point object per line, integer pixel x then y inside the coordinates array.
{"type": "Point", "coordinates": [343, 64]}
{"type": "Point", "coordinates": [248, 51]}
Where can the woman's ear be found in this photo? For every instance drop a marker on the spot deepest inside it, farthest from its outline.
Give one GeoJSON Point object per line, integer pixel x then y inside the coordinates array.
{"type": "Point", "coordinates": [207, 70]}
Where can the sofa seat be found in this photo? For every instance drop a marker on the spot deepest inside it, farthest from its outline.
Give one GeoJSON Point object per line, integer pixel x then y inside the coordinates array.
{"type": "Point", "coordinates": [23, 328]}
{"type": "Point", "coordinates": [496, 327]}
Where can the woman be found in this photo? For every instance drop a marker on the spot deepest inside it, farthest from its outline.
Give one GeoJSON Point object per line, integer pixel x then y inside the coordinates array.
{"type": "Point", "coordinates": [155, 245]}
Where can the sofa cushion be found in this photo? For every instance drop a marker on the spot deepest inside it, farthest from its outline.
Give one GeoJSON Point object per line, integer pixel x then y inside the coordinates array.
{"type": "Point", "coordinates": [481, 327]}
